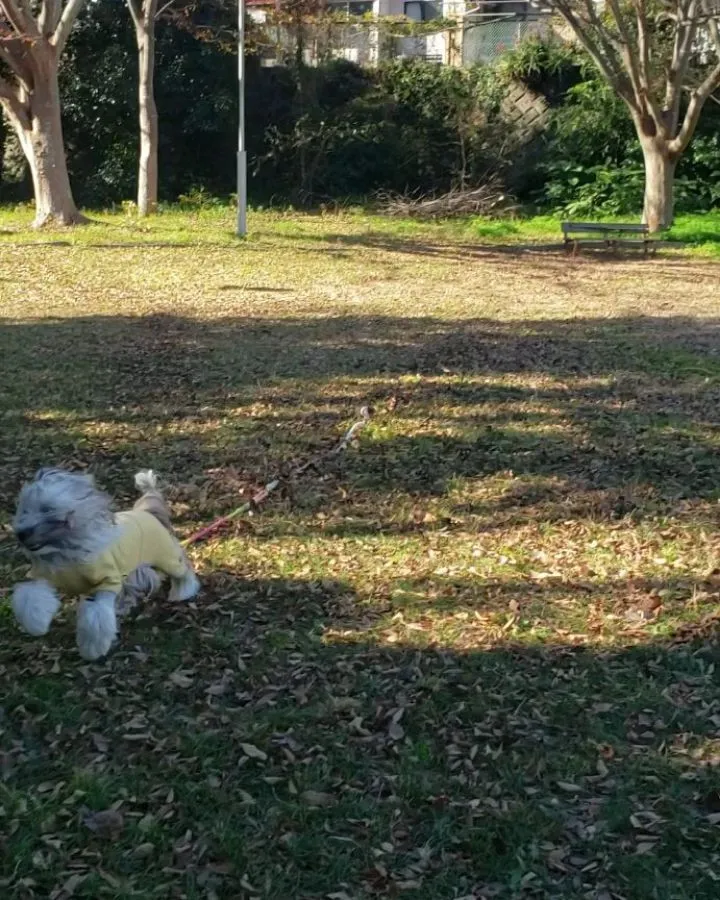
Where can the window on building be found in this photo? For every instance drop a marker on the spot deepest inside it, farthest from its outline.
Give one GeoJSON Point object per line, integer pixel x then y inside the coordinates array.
{"type": "Point", "coordinates": [352, 7]}
{"type": "Point", "coordinates": [421, 10]}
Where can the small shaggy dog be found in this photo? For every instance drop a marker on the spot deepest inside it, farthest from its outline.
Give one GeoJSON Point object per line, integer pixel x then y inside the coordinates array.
{"type": "Point", "coordinates": [79, 547]}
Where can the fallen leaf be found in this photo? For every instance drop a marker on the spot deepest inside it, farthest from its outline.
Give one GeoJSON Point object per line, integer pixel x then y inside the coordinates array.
{"type": "Point", "coordinates": [217, 689]}
{"type": "Point", "coordinates": [645, 848]}
{"type": "Point", "coordinates": [318, 798]}
{"type": "Point", "coordinates": [102, 745]}
{"type": "Point", "coordinates": [181, 679]}
{"type": "Point", "coordinates": [253, 752]}
{"type": "Point", "coordinates": [69, 887]}
{"type": "Point", "coordinates": [107, 823]}
{"type": "Point", "coordinates": [569, 787]}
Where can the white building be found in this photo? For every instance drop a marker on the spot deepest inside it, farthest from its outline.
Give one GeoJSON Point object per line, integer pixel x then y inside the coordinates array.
{"type": "Point", "coordinates": [479, 32]}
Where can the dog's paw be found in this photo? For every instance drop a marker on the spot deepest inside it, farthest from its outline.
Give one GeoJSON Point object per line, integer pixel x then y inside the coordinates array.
{"type": "Point", "coordinates": [96, 627]}
{"type": "Point", "coordinates": [35, 605]}
{"type": "Point", "coordinates": [185, 588]}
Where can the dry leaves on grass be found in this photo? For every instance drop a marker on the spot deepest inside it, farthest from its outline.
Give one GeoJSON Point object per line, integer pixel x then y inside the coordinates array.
{"type": "Point", "coordinates": [413, 674]}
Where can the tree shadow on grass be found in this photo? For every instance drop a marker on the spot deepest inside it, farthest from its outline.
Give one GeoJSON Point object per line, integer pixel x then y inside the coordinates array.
{"type": "Point", "coordinates": [546, 256]}
{"type": "Point", "coordinates": [277, 739]}
{"type": "Point", "coordinates": [153, 354]}
{"type": "Point", "coordinates": [596, 405]}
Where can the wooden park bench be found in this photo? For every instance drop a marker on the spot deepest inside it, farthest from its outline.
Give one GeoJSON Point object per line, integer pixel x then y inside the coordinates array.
{"type": "Point", "coordinates": [611, 235]}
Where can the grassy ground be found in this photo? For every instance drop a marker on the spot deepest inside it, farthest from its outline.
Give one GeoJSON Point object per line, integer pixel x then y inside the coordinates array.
{"type": "Point", "coordinates": [214, 224]}
{"type": "Point", "coordinates": [473, 657]}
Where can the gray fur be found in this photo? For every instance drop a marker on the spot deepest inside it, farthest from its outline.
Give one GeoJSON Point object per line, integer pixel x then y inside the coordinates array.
{"type": "Point", "coordinates": [154, 503]}
{"type": "Point", "coordinates": [144, 582]}
{"type": "Point", "coordinates": [62, 518]}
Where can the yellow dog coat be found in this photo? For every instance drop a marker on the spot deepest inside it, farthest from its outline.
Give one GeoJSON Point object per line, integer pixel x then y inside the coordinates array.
{"type": "Point", "coordinates": [140, 540]}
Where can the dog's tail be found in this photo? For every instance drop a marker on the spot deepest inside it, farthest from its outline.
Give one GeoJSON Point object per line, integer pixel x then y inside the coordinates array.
{"type": "Point", "coordinates": [146, 481]}
{"type": "Point", "coordinates": [152, 500]}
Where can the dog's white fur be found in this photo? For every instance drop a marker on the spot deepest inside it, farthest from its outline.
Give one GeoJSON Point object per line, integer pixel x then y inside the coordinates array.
{"type": "Point", "coordinates": [96, 625]}
{"type": "Point", "coordinates": [63, 520]}
{"type": "Point", "coordinates": [35, 604]}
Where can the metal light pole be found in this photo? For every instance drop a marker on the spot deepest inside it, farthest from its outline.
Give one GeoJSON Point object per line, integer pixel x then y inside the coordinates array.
{"type": "Point", "coordinates": [241, 228]}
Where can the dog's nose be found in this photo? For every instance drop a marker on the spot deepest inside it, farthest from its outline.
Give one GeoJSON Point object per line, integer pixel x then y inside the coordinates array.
{"type": "Point", "coordinates": [23, 534]}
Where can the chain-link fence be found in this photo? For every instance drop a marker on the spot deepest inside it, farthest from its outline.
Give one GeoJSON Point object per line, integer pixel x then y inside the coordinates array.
{"type": "Point", "coordinates": [486, 38]}
{"type": "Point", "coordinates": [481, 38]}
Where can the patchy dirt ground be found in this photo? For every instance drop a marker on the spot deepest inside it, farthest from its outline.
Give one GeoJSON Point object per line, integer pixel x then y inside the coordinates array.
{"type": "Point", "coordinates": [475, 656]}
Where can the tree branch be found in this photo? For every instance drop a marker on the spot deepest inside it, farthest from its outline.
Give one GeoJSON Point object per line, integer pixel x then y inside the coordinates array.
{"type": "Point", "coordinates": [713, 28]}
{"type": "Point", "coordinates": [602, 52]}
{"type": "Point", "coordinates": [642, 70]}
{"type": "Point", "coordinates": [14, 62]}
{"type": "Point", "coordinates": [27, 10]}
{"type": "Point", "coordinates": [49, 16]}
{"type": "Point", "coordinates": [19, 17]}
{"type": "Point", "coordinates": [685, 32]}
{"type": "Point", "coordinates": [12, 103]}
{"type": "Point", "coordinates": [67, 20]}
{"type": "Point", "coordinates": [136, 12]}
{"type": "Point", "coordinates": [163, 8]}
{"type": "Point", "coordinates": [625, 51]}
{"type": "Point", "coordinates": [644, 67]}
{"type": "Point", "coordinates": [692, 113]}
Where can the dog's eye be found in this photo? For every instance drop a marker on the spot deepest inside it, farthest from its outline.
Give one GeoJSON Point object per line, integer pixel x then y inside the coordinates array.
{"type": "Point", "coordinates": [44, 510]}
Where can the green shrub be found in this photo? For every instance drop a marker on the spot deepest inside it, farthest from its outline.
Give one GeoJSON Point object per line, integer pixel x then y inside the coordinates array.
{"type": "Point", "coordinates": [409, 126]}
{"type": "Point", "coordinates": [590, 163]}
{"type": "Point", "coordinates": [337, 131]}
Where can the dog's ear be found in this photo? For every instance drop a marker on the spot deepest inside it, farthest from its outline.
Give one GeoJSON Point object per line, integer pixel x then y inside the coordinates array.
{"type": "Point", "coordinates": [55, 471]}
{"type": "Point", "coordinates": [47, 471]}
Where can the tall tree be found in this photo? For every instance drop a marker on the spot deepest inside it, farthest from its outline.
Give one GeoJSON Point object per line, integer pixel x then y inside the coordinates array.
{"type": "Point", "coordinates": [144, 13]}
{"type": "Point", "coordinates": [662, 57]}
{"type": "Point", "coordinates": [32, 39]}
{"type": "Point", "coordinates": [182, 13]}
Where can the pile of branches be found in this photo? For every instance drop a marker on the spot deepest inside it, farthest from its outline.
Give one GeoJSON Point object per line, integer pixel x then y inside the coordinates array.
{"type": "Point", "coordinates": [487, 200]}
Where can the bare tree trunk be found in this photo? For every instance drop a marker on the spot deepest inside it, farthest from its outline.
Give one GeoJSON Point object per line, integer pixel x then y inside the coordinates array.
{"type": "Point", "coordinates": [149, 133]}
{"type": "Point", "coordinates": [143, 14]}
{"type": "Point", "coordinates": [32, 39]}
{"type": "Point", "coordinates": [659, 205]}
{"type": "Point", "coordinates": [41, 139]}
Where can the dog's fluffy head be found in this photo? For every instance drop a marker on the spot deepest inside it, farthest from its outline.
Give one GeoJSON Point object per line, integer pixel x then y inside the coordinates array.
{"type": "Point", "coordinates": [62, 517]}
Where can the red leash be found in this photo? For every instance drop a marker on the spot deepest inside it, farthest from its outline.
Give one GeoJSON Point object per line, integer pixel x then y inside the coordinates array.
{"type": "Point", "coordinates": [262, 495]}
